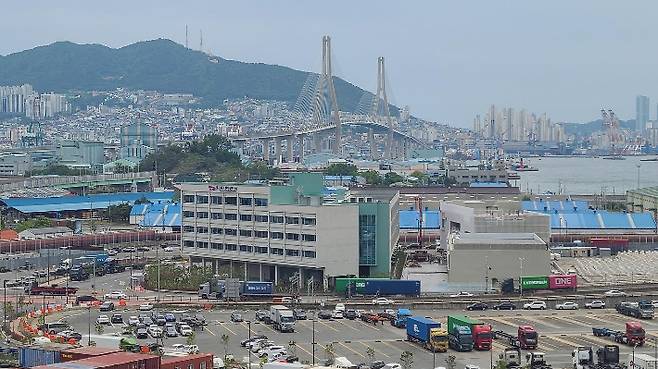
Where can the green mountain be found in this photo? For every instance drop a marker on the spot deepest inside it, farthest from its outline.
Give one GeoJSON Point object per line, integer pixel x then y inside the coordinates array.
{"type": "Point", "coordinates": [161, 65]}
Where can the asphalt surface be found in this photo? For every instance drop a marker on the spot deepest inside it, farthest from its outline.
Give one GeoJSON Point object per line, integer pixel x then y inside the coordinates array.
{"type": "Point", "coordinates": [560, 332]}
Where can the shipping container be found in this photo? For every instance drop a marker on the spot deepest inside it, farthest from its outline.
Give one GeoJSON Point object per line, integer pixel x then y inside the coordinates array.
{"type": "Point", "coordinates": [534, 282]}
{"type": "Point", "coordinates": [257, 288]}
{"type": "Point", "coordinates": [29, 357]}
{"type": "Point", "coordinates": [358, 284]}
{"type": "Point", "coordinates": [198, 361]}
{"type": "Point", "coordinates": [84, 352]}
{"type": "Point", "coordinates": [120, 360]}
{"type": "Point", "coordinates": [556, 282]}
{"type": "Point", "coordinates": [384, 287]}
{"type": "Point", "coordinates": [419, 328]}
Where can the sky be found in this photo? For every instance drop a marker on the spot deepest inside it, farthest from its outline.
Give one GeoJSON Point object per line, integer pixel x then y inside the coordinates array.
{"type": "Point", "coordinates": [446, 60]}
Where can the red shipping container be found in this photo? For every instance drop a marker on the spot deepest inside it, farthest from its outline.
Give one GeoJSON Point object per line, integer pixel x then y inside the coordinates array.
{"type": "Point", "coordinates": [197, 361]}
{"type": "Point", "coordinates": [85, 352]}
{"type": "Point", "coordinates": [121, 360]}
{"type": "Point", "coordinates": [556, 282]}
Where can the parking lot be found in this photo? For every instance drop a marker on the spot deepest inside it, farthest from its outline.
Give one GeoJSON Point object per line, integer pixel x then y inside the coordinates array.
{"type": "Point", "coordinates": [560, 332]}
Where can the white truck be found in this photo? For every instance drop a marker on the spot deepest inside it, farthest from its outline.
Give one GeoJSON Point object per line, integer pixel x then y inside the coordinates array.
{"type": "Point", "coordinates": [641, 361]}
{"type": "Point", "coordinates": [283, 318]}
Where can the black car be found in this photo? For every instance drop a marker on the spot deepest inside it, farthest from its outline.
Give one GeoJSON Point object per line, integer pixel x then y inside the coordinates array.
{"type": "Point", "coordinates": [350, 314]}
{"type": "Point", "coordinates": [116, 319]}
{"type": "Point", "coordinates": [107, 306]}
{"type": "Point", "coordinates": [147, 320]}
{"type": "Point", "coordinates": [84, 299]}
{"type": "Point", "coordinates": [244, 343]}
{"type": "Point", "coordinates": [377, 364]}
{"type": "Point", "coordinates": [141, 332]}
{"type": "Point", "coordinates": [262, 316]}
{"type": "Point", "coordinates": [299, 314]}
{"type": "Point", "coordinates": [201, 319]}
{"type": "Point", "coordinates": [4, 269]}
{"type": "Point", "coordinates": [324, 314]}
{"type": "Point", "coordinates": [477, 306]}
{"type": "Point", "coordinates": [505, 305]}
{"type": "Point", "coordinates": [143, 249]}
{"type": "Point", "coordinates": [160, 320]}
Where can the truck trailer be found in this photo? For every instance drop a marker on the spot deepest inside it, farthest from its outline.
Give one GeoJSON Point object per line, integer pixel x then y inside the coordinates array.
{"type": "Point", "coordinates": [642, 361]}
{"type": "Point", "coordinates": [638, 310]}
{"type": "Point", "coordinates": [428, 333]}
{"type": "Point", "coordinates": [633, 335]}
{"type": "Point", "coordinates": [460, 334]}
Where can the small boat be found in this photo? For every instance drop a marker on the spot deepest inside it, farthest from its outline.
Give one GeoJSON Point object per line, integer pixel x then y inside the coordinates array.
{"type": "Point", "coordinates": [523, 167]}
{"type": "Point", "coordinates": [649, 159]}
{"type": "Point", "coordinates": [614, 157]}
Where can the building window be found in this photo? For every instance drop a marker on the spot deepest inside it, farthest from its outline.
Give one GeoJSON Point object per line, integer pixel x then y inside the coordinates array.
{"type": "Point", "coordinates": [292, 252]}
{"type": "Point", "coordinates": [187, 243]}
{"type": "Point", "coordinates": [188, 214]}
{"type": "Point", "coordinates": [260, 249]}
{"type": "Point", "coordinates": [231, 247]}
{"type": "Point", "coordinates": [260, 202]}
{"type": "Point", "coordinates": [216, 246]}
{"type": "Point", "coordinates": [188, 229]}
{"type": "Point", "coordinates": [202, 214]}
{"type": "Point", "coordinates": [216, 216]}
{"type": "Point", "coordinates": [261, 234]}
{"type": "Point", "coordinates": [261, 218]}
{"type": "Point", "coordinates": [276, 235]}
{"type": "Point", "coordinates": [188, 199]}
{"type": "Point", "coordinates": [245, 201]}
{"type": "Point", "coordinates": [245, 232]}
{"type": "Point", "coordinates": [276, 251]}
{"type": "Point", "coordinates": [231, 200]}
{"type": "Point", "coordinates": [202, 229]}
{"type": "Point", "coordinates": [292, 236]}
{"type": "Point", "coordinates": [308, 237]}
{"type": "Point", "coordinates": [231, 216]}
{"type": "Point", "coordinates": [367, 239]}
{"type": "Point", "coordinates": [308, 221]}
{"type": "Point", "coordinates": [276, 219]}
{"type": "Point", "coordinates": [292, 220]}
{"type": "Point", "coordinates": [309, 254]}
{"type": "Point", "coordinates": [202, 244]}
{"type": "Point", "coordinates": [246, 248]}
{"type": "Point", "coordinates": [230, 232]}
{"type": "Point", "coordinates": [245, 217]}
{"type": "Point", "coordinates": [200, 199]}
{"type": "Point", "coordinates": [216, 230]}
{"type": "Point", "coordinates": [216, 200]}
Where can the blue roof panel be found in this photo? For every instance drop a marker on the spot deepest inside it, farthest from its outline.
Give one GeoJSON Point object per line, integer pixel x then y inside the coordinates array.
{"type": "Point", "coordinates": [409, 219]}
{"type": "Point", "coordinates": [488, 185]}
{"type": "Point", "coordinates": [74, 203]}
{"type": "Point", "coordinates": [154, 217]}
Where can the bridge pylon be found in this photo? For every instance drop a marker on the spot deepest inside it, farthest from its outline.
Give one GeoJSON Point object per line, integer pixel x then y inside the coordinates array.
{"type": "Point", "coordinates": [381, 108]}
{"type": "Point", "coordinates": [326, 83]}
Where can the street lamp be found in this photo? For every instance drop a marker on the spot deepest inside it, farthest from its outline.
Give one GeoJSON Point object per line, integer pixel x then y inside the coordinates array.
{"type": "Point", "coordinates": [247, 346]}
{"type": "Point", "coordinates": [89, 325]}
{"type": "Point", "coordinates": [638, 165]}
{"type": "Point", "coordinates": [313, 343]}
{"type": "Point", "coordinates": [521, 275]}
{"type": "Point", "coordinates": [4, 307]}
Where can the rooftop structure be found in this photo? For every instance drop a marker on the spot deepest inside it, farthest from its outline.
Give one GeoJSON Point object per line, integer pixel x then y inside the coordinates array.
{"type": "Point", "coordinates": [77, 203]}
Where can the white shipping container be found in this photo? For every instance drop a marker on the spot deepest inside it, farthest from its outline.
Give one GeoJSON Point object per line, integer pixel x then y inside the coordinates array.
{"type": "Point", "coordinates": [642, 361]}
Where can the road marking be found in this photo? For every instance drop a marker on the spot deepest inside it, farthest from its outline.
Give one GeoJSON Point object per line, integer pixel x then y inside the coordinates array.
{"type": "Point", "coordinates": [266, 326]}
{"type": "Point", "coordinates": [538, 320]}
{"type": "Point", "coordinates": [564, 341]}
{"type": "Point", "coordinates": [384, 343]}
{"type": "Point", "coordinates": [370, 326]}
{"type": "Point", "coordinates": [350, 326]}
{"type": "Point", "coordinates": [503, 321]}
{"type": "Point", "coordinates": [209, 331]}
{"type": "Point", "coordinates": [571, 320]}
{"type": "Point", "coordinates": [225, 326]}
{"type": "Point", "coordinates": [327, 325]}
{"type": "Point", "coordinates": [303, 349]}
{"type": "Point", "coordinates": [351, 349]}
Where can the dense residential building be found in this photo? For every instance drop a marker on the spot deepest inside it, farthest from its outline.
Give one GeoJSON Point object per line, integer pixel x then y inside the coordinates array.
{"type": "Point", "coordinates": [272, 232]}
{"type": "Point", "coordinates": [641, 113]}
{"type": "Point", "coordinates": [12, 98]}
{"type": "Point", "coordinates": [137, 140]}
{"type": "Point", "coordinates": [40, 106]}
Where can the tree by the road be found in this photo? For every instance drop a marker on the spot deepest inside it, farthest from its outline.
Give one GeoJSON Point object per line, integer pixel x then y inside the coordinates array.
{"type": "Point", "coordinates": [370, 353]}
{"type": "Point", "coordinates": [451, 362]}
{"type": "Point", "coordinates": [329, 352]}
{"type": "Point", "coordinates": [407, 359]}
{"type": "Point", "coordinates": [225, 341]}
{"type": "Point", "coordinates": [191, 339]}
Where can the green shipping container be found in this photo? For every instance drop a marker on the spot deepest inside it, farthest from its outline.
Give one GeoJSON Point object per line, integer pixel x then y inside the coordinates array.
{"type": "Point", "coordinates": [534, 282]}
{"type": "Point", "coordinates": [341, 284]}
{"type": "Point", "coordinates": [460, 321]}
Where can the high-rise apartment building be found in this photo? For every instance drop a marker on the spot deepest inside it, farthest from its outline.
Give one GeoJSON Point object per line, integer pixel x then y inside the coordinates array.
{"type": "Point", "coordinates": [641, 113]}
{"type": "Point", "coordinates": [13, 98]}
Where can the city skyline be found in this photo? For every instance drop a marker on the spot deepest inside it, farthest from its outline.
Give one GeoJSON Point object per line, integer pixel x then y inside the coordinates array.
{"type": "Point", "coordinates": [449, 62]}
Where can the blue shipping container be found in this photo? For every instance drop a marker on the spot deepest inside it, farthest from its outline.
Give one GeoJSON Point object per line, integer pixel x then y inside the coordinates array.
{"type": "Point", "coordinates": [387, 287]}
{"type": "Point", "coordinates": [257, 288]}
{"type": "Point", "coordinates": [419, 327]}
{"type": "Point", "coordinates": [29, 357]}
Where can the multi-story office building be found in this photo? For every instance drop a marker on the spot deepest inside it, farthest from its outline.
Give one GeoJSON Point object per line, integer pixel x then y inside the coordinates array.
{"type": "Point", "coordinates": [272, 232]}
{"type": "Point", "coordinates": [641, 113]}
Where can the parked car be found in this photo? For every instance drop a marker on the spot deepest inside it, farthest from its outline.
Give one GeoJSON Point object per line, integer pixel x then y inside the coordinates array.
{"type": "Point", "coordinates": [185, 330]}
{"type": "Point", "coordinates": [236, 317]}
{"type": "Point", "coordinates": [324, 314]}
{"type": "Point", "coordinates": [597, 304]}
{"type": "Point", "coordinates": [170, 318]}
{"type": "Point", "coordinates": [103, 319]}
{"type": "Point", "coordinates": [146, 307]}
{"type": "Point", "coordinates": [116, 319]}
{"type": "Point", "coordinates": [262, 316]}
{"type": "Point", "coordinates": [244, 342]}
{"type": "Point", "coordinates": [615, 293]}
{"type": "Point", "coordinates": [171, 330]}
{"type": "Point", "coordinates": [107, 306]}
{"type": "Point", "coordinates": [160, 320]}
{"type": "Point", "coordinates": [462, 294]}
{"type": "Point", "coordinates": [269, 351]}
{"type": "Point", "coordinates": [505, 305]}
{"type": "Point", "coordinates": [654, 303]}
{"type": "Point", "coordinates": [535, 305]}
{"type": "Point", "coordinates": [84, 299]}
{"type": "Point", "coordinates": [299, 314]}
{"type": "Point", "coordinates": [350, 314]}
{"type": "Point", "coordinates": [133, 320]}
{"type": "Point", "coordinates": [337, 314]}
{"type": "Point", "coordinates": [70, 334]}
{"type": "Point", "coordinates": [154, 331]}
{"type": "Point", "coordinates": [128, 249]}
{"type": "Point", "coordinates": [116, 295]}
{"type": "Point", "coordinates": [141, 331]}
{"type": "Point", "coordinates": [261, 345]}
{"type": "Point", "coordinates": [147, 320]}
{"type": "Point", "coordinates": [567, 305]}
{"type": "Point", "coordinates": [340, 306]}
{"type": "Point", "coordinates": [477, 306]}
{"type": "Point", "coordinates": [382, 301]}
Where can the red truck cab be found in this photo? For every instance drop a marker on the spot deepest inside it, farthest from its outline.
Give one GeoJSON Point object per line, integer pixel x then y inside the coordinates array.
{"type": "Point", "coordinates": [528, 337]}
{"type": "Point", "coordinates": [635, 334]}
{"type": "Point", "coordinates": [482, 337]}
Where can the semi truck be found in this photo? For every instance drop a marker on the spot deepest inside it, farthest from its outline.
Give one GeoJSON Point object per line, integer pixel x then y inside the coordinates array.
{"type": "Point", "coordinates": [642, 361]}
{"type": "Point", "coordinates": [511, 357]}
{"type": "Point", "coordinates": [428, 333]}
{"type": "Point", "coordinates": [400, 319]}
{"type": "Point", "coordinates": [481, 332]}
{"type": "Point", "coordinates": [460, 335]}
{"type": "Point", "coordinates": [35, 289]}
{"type": "Point", "coordinates": [633, 334]}
{"type": "Point", "coordinates": [607, 357]}
{"type": "Point", "coordinates": [638, 310]}
{"type": "Point", "coordinates": [283, 318]}
{"type": "Point", "coordinates": [526, 337]}
{"type": "Point", "coordinates": [537, 360]}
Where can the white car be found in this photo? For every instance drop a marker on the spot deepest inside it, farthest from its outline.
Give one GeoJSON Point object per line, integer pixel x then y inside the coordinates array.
{"type": "Point", "coordinates": [262, 344]}
{"type": "Point", "coordinates": [271, 350]}
{"type": "Point", "coordinates": [337, 314]}
{"type": "Point", "coordinates": [116, 295]}
{"type": "Point", "coordinates": [146, 307]}
{"type": "Point", "coordinates": [192, 349]}
{"type": "Point", "coordinates": [103, 319]}
{"type": "Point", "coordinates": [392, 366]}
{"type": "Point", "coordinates": [462, 294]}
{"type": "Point", "coordinates": [382, 301]}
{"type": "Point", "coordinates": [41, 340]}
{"type": "Point", "coordinates": [567, 305]}
{"type": "Point", "coordinates": [185, 330]}
{"type": "Point", "coordinates": [615, 293]}
{"type": "Point", "coordinates": [596, 304]}
{"type": "Point", "coordinates": [169, 249]}
{"type": "Point", "coordinates": [340, 306]}
{"type": "Point", "coordinates": [133, 320]}
{"type": "Point", "coordinates": [154, 331]}
{"type": "Point", "coordinates": [535, 305]}
{"type": "Point", "coordinates": [654, 303]}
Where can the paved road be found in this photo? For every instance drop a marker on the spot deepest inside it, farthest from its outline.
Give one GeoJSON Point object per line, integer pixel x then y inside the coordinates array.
{"type": "Point", "coordinates": [560, 332]}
